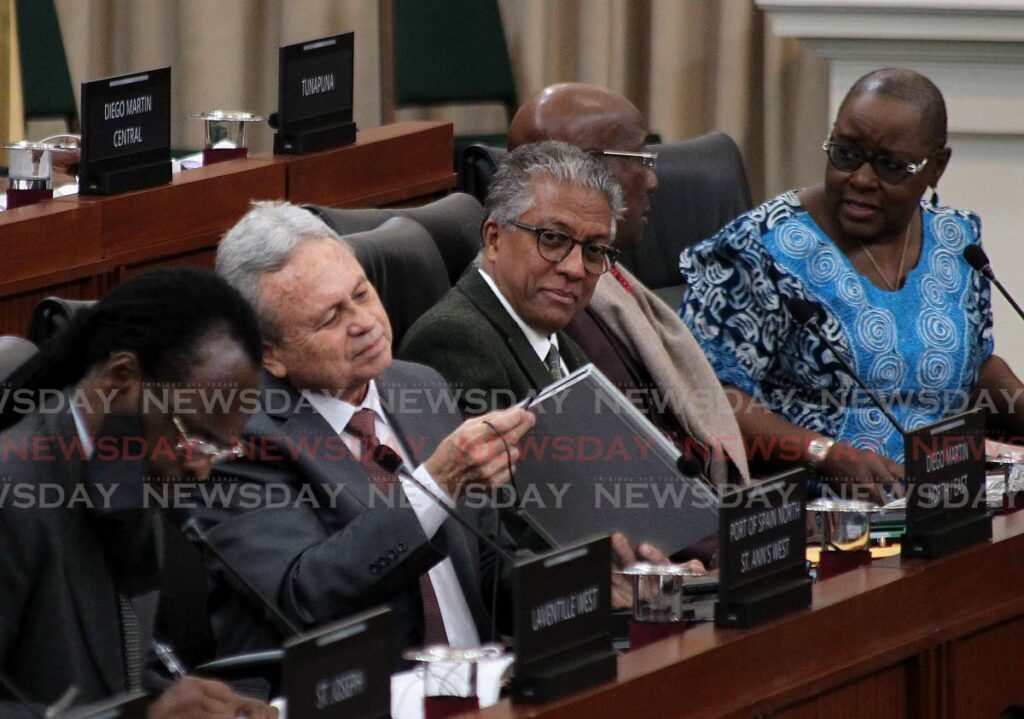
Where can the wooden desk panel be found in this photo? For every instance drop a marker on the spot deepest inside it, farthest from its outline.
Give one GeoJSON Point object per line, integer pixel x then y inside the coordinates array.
{"type": "Point", "coordinates": [385, 166]}
{"type": "Point", "coordinates": [918, 639]}
{"type": "Point", "coordinates": [80, 247]}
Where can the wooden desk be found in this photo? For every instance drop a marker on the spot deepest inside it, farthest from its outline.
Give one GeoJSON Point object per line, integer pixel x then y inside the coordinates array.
{"type": "Point", "coordinates": [80, 247]}
{"type": "Point", "coordinates": [939, 639]}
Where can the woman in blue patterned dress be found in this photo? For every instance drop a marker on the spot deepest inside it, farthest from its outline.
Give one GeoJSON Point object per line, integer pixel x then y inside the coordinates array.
{"type": "Point", "coordinates": [886, 269]}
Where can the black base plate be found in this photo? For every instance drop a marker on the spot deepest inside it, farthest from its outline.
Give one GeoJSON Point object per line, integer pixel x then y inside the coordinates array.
{"type": "Point", "coordinates": [948, 538]}
{"type": "Point", "coordinates": [764, 605]}
{"type": "Point", "coordinates": [534, 684]}
{"type": "Point", "coordinates": [303, 142]}
{"type": "Point", "coordinates": [114, 182]}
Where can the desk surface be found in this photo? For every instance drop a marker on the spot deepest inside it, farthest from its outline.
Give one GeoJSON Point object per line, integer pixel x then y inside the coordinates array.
{"type": "Point", "coordinates": [939, 638]}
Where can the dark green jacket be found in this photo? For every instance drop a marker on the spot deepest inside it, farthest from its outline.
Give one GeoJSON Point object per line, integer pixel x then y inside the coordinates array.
{"type": "Point", "coordinates": [479, 349]}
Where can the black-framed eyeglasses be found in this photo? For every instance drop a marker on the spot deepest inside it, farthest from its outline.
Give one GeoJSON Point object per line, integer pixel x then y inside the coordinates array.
{"type": "Point", "coordinates": [647, 159]}
{"type": "Point", "coordinates": [554, 246]}
{"type": "Point", "coordinates": [847, 158]}
{"type": "Point", "coordinates": [198, 447]}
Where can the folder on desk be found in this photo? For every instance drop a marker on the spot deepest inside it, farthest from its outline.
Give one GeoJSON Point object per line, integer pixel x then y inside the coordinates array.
{"type": "Point", "coordinates": [594, 464]}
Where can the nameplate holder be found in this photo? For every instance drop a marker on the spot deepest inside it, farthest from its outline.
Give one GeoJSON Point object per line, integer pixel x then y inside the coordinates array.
{"type": "Point", "coordinates": [133, 705]}
{"type": "Point", "coordinates": [342, 669]}
{"type": "Point", "coordinates": [314, 96]}
{"type": "Point", "coordinates": [762, 551]}
{"type": "Point", "coordinates": [126, 133]}
{"type": "Point", "coordinates": [563, 639]}
{"type": "Point", "coordinates": [945, 473]}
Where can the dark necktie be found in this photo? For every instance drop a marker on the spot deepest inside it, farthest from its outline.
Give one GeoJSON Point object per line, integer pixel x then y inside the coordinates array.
{"type": "Point", "coordinates": [130, 646]}
{"type": "Point", "coordinates": [553, 362]}
{"type": "Point", "coordinates": [362, 425]}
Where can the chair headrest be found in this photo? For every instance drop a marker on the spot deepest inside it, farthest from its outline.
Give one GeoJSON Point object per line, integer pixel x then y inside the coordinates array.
{"type": "Point", "coordinates": [14, 352]}
{"type": "Point", "coordinates": [52, 315]}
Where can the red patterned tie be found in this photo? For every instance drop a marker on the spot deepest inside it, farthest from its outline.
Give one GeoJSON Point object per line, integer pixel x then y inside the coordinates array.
{"type": "Point", "coordinates": [362, 426]}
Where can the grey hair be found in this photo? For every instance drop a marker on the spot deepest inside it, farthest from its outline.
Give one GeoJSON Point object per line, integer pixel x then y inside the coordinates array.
{"type": "Point", "coordinates": [510, 193]}
{"type": "Point", "coordinates": [263, 241]}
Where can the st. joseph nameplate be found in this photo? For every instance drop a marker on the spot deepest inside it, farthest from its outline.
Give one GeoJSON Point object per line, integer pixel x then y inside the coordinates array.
{"type": "Point", "coordinates": [126, 133]}
{"type": "Point", "coordinates": [342, 669]}
{"type": "Point", "coordinates": [562, 610]}
{"type": "Point", "coordinates": [945, 473]}
{"type": "Point", "coordinates": [762, 551]}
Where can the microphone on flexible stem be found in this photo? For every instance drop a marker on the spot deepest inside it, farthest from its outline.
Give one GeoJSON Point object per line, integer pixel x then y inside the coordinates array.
{"type": "Point", "coordinates": [53, 711]}
{"type": "Point", "coordinates": [389, 460]}
{"type": "Point", "coordinates": [977, 259]}
{"type": "Point", "coordinates": [276, 617]}
{"type": "Point", "coordinates": [807, 314]}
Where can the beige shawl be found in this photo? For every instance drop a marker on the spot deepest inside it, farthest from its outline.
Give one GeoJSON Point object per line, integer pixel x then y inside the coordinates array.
{"type": "Point", "coordinates": [657, 338]}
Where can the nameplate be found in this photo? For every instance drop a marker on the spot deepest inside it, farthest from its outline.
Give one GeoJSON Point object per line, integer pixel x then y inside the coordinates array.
{"type": "Point", "coordinates": [762, 551]}
{"type": "Point", "coordinates": [126, 132]}
{"type": "Point", "coordinates": [342, 669]}
{"type": "Point", "coordinates": [133, 705]}
{"type": "Point", "coordinates": [945, 474]}
{"type": "Point", "coordinates": [314, 95]}
{"type": "Point", "coordinates": [562, 607]}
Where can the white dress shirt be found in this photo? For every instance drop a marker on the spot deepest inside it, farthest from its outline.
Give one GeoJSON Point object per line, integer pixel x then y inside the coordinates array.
{"type": "Point", "coordinates": [541, 344]}
{"type": "Point", "coordinates": [458, 621]}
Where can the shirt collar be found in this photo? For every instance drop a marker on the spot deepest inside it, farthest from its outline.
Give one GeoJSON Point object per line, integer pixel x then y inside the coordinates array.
{"type": "Point", "coordinates": [540, 344]}
{"type": "Point", "coordinates": [338, 412]}
{"type": "Point", "coordinates": [83, 433]}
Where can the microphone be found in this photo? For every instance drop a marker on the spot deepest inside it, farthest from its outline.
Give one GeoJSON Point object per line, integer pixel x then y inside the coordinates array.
{"type": "Point", "coordinates": [977, 259]}
{"type": "Point", "coordinates": [276, 617]}
{"type": "Point", "coordinates": [53, 711]}
{"type": "Point", "coordinates": [807, 313]}
{"type": "Point", "coordinates": [389, 460]}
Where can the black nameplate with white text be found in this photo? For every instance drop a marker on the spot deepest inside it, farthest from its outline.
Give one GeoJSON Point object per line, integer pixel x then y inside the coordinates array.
{"type": "Point", "coordinates": [314, 95]}
{"type": "Point", "coordinates": [762, 551]}
{"type": "Point", "coordinates": [126, 132]}
{"type": "Point", "coordinates": [945, 473]}
{"type": "Point", "coordinates": [342, 669]}
{"type": "Point", "coordinates": [563, 634]}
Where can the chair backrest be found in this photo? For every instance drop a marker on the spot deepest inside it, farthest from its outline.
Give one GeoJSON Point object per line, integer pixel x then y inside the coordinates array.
{"type": "Point", "coordinates": [453, 222]}
{"type": "Point", "coordinates": [702, 185]}
{"type": "Point", "coordinates": [476, 166]}
{"type": "Point", "coordinates": [450, 51]}
{"type": "Point", "coordinates": [45, 81]}
{"type": "Point", "coordinates": [402, 262]}
{"type": "Point", "coordinates": [14, 352]}
{"type": "Point", "coordinates": [52, 315]}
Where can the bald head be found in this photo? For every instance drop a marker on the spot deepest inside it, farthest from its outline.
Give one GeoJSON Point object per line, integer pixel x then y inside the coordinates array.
{"type": "Point", "coordinates": [593, 118]}
{"type": "Point", "coordinates": [908, 86]}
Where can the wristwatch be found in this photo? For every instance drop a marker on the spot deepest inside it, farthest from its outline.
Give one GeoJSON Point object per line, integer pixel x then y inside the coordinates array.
{"type": "Point", "coordinates": [817, 450]}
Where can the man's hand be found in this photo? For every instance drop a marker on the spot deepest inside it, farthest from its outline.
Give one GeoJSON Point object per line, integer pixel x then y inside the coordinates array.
{"type": "Point", "coordinates": [858, 474]}
{"type": "Point", "coordinates": [623, 556]}
{"type": "Point", "coordinates": [475, 454]}
{"type": "Point", "coordinates": [195, 698]}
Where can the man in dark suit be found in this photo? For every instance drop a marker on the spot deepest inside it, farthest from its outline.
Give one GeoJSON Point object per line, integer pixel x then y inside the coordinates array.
{"type": "Point", "coordinates": [549, 224]}
{"type": "Point", "coordinates": [364, 533]}
{"type": "Point", "coordinates": [78, 541]}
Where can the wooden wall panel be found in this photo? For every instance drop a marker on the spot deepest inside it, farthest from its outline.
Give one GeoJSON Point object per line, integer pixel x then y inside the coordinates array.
{"type": "Point", "coordinates": [988, 668]}
{"type": "Point", "coordinates": [882, 695]}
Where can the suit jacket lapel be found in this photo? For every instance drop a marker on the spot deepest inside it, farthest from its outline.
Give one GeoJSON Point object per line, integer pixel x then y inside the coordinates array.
{"type": "Point", "coordinates": [302, 431]}
{"type": "Point", "coordinates": [476, 290]}
{"type": "Point", "coordinates": [91, 583]}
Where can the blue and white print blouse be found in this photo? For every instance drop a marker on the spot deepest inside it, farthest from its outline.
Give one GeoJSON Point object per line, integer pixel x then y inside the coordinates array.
{"type": "Point", "coordinates": [920, 348]}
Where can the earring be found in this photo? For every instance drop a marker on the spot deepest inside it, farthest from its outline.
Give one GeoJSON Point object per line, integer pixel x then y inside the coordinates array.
{"type": "Point", "coordinates": [934, 200]}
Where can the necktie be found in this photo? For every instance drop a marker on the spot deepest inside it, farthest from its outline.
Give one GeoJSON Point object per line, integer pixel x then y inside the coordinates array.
{"type": "Point", "coordinates": [362, 425]}
{"type": "Point", "coordinates": [130, 650]}
{"type": "Point", "coordinates": [553, 362]}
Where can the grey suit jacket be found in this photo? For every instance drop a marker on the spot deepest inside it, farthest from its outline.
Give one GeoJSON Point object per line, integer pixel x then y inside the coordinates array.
{"type": "Point", "coordinates": [340, 552]}
{"type": "Point", "coordinates": [59, 622]}
{"type": "Point", "coordinates": [475, 344]}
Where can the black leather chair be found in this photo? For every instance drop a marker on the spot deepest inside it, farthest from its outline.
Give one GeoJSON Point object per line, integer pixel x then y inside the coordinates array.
{"type": "Point", "coordinates": [403, 263]}
{"type": "Point", "coordinates": [14, 352]}
{"type": "Point", "coordinates": [52, 315]}
{"type": "Point", "coordinates": [702, 185]}
{"type": "Point", "coordinates": [453, 222]}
